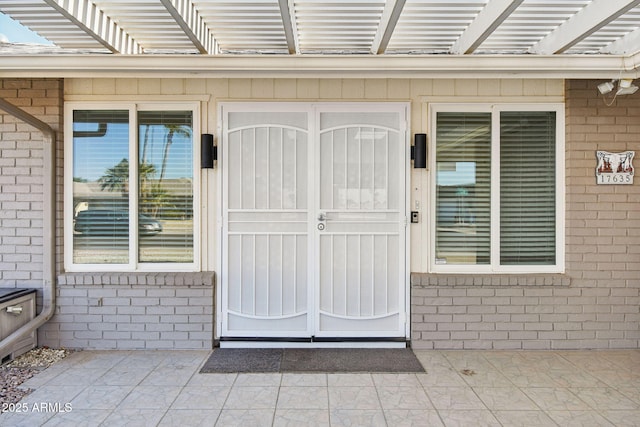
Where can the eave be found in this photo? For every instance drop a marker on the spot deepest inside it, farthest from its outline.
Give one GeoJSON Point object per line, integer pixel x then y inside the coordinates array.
{"type": "Point", "coordinates": [319, 66]}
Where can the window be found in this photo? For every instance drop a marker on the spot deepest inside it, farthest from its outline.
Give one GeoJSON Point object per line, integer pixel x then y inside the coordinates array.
{"type": "Point", "coordinates": [130, 180]}
{"type": "Point", "coordinates": [498, 181]}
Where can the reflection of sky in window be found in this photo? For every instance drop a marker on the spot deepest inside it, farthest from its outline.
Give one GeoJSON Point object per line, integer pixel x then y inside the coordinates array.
{"type": "Point", "coordinates": [94, 155]}
{"type": "Point", "coordinates": [456, 173]}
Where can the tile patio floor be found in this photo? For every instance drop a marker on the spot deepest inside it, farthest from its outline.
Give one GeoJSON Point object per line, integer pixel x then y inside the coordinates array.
{"type": "Point", "coordinates": [466, 388]}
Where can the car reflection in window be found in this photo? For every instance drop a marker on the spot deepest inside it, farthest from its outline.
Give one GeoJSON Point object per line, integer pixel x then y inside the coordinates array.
{"type": "Point", "coordinates": [112, 222]}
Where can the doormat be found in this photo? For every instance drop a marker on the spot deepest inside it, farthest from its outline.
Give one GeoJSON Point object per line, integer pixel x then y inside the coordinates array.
{"type": "Point", "coordinates": [260, 360]}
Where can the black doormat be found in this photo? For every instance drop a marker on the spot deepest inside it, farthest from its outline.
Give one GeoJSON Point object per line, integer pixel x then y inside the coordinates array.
{"type": "Point", "coordinates": [230, 360]}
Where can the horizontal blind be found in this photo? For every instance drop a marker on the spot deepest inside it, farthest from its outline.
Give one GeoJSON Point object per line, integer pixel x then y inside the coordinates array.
{"type": "Point", "coordinates": [463, 197]}
{"type": "Point", "coordinates": [165, 179]}
{"type": "Point", "coordinates": [527, 183]}
{"type": "Point", "coordinates": [101, 186]}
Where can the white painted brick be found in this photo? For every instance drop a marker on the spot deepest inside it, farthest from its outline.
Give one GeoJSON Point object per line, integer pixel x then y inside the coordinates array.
{"type": "Point", "coordinates": [513, 309]}
{"type": "Point", "coordinates": [494, 335]}
{"type": "Point", "coordinates": [95, 335]}
{"type": "Point", "coordinates": [552, 335]}
{"type": "Point", "coordinates": [523, 335]}
{"type": "Point", "coordinates": [131, 344]}
{"type": "Point", "coordinates": [452, 309]}
{"type": "Point", "coordinates": [173, 335]}
{"type": "Point", "coordinates": [190, 309]}
{"type": "Point", "coordinates": [130, 327]}
{"type": "Point", "coordinates": [159, 327]}
{"type": "Point", "coordinates": [132, 310]}
{"type": "Point", "coordinates": [440, 335]}
{"type": "Point", "coordinates": [73, 327]}
{"type": "Point", "coordinates": [174, 318]}
{"type": "Point", "coordinates": [117, 335]}
{"type": "Point", "coordinates": [103, 310]}
{"type": "Point", "coordinates": [101, 326]}
{"type": "Point", "coordinates": [199, 319]}
{"type": "Point", "coordinates": [160, 310]}
{"type": "Point", "coordinates": [145, 336]}
{"type": "Point", "coordinates": [424, 326]}
{"type": "Point", "coordinates": [206, 336]}
{"type": "Point", "coordinates": [188, 327]}
{"type": "Point", "coordinates": [465, 335]}
{"type": "Point", "coordinates": [481, 309]}
{"type": "Point", "coordinates": [536, 345]}
{"type": "Point", "coordinates": [509, 326]}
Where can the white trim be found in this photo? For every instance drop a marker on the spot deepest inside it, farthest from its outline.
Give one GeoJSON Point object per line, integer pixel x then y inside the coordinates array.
{"type": "Point", "coordinates": [323, 66]}
{"type": "Point", "coordinates": [132, 265]}
{"type": "Point", "coordinates": [494, 109]}
{"type": "Point", "coordinates": [313, 344]}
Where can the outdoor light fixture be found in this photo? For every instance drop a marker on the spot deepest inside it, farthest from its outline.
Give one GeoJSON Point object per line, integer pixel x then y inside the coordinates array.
{"type": "Point", "coordinates": [419, 151]}
{"type": "Point", "coordinates": [606, 87]}
{"type": "Point", "coordinates": [626, 87]}
{"type": "Point", "coordinates": [208, 152]}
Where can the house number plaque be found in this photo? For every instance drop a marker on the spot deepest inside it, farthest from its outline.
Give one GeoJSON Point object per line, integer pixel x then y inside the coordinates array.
{"type": "Point", "coordinates": [615, 168]}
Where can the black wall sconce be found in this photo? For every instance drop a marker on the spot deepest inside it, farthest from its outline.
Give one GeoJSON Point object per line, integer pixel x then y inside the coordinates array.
{"type": "Point", "coordinates": [208, 151]}
{"type": "Point", "coordinates": [419, 151]}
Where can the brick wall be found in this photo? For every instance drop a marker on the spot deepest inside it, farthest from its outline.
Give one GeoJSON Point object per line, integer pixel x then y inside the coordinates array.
{"type": "Point", "coordinates": [100, 311]}
{"type": "Point", "coordinates": [596, 304]}
{"type": "Point", "coordinates": [21, 181]}
{"type": "Point", "coordinates": [132, 311]}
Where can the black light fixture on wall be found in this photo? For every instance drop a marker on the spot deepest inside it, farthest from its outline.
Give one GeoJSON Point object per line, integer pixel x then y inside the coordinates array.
{"type": "Point", "coordinates": [419, 151]}
{"type": "Point", "coordinates": [208, 151]}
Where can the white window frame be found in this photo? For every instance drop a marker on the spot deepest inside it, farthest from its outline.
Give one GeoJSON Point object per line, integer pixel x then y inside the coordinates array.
{"type": "Point", "coordinates": [133, 265]}
{"type": "Point", "coordinates": [494, 266]}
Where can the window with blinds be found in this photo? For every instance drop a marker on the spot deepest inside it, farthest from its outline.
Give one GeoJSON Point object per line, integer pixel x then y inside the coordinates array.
{"type": "Point", "coordinates": [496, 189]}
{"type": "Point", "coordinates": [165, 186]}
{"type": "Point", "coordinates": [463, 184]}
{"type": "Point", "coordinates": [101, 184]}
{"type": "Point", "coordinates": [133, 191]}
{"type": "Point", "coordinates": [527, 188]}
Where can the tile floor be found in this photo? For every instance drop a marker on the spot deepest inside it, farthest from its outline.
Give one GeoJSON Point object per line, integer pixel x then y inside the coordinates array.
{"type": "Point", "coordinates": [466, 388]}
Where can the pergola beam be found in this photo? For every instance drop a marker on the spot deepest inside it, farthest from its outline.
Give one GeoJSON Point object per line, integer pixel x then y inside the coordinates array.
{"type": "Point", "coordinates": [93, 21]}
{"type": "Point", "coordinates": [489, 18]}
{"type": "Point", "coordinates": [388, 21]}
{"type": "Point", "coordinates": [587, 21]}
{"type": "Point", "coordinates": [289, 25]}
{"type": "Point", "coordinates": [628, 44]}
{"type": "Point", "coordinates": [192, 23]}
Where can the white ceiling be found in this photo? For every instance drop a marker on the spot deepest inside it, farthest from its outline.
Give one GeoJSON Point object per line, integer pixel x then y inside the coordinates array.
{"type": "Point", "coordinates": [300, 28]}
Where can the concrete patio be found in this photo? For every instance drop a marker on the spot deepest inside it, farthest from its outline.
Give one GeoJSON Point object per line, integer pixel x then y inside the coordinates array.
{"type": "Point", "coordinates": [460, 388]}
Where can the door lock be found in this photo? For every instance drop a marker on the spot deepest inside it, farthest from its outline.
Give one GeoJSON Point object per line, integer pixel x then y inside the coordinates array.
{"type": "Point", "coordinates": [321, 226]}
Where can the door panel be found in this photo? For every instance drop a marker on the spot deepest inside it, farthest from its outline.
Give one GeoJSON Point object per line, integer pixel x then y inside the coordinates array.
{"type": "Point", "coordinates": [266, 227]}
{"type": "Point", "coordinates": [286, 273]}
{"type": "Point", "coordinates": [361, 230]}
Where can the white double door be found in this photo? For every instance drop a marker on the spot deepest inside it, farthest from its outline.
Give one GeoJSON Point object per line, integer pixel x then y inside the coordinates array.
{"type": "Point", "coordinates": [314, 220]}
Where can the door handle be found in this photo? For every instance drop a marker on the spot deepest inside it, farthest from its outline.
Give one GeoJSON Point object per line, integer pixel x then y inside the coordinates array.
{"type": "Point", "coordinates": [16, 310]}
{"type": "Point", "coordinates": [322, 216]}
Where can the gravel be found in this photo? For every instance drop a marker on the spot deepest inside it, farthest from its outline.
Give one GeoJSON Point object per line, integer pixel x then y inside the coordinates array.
{"type": "Point", "coordinates": [23, 367]}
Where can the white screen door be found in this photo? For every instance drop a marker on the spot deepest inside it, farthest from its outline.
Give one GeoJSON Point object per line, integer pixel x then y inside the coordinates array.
{"type": "Point", "coordinates": [314, 229]}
